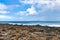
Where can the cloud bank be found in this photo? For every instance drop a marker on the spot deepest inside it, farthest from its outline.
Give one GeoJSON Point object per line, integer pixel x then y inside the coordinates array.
{"type": "Point", "coordinates": [3, 9]}
{"type": "Point", "coordinates": [30, 10]}
{"type": "Point", "coordinates": [46, 4]}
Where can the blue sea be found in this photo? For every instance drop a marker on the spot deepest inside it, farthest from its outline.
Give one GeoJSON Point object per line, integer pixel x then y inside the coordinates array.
{"type": "Point", "coordinates": [47, 23]}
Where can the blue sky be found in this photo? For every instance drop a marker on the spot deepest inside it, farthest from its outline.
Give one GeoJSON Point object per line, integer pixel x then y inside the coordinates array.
{"type": "Point", "coordinates": [29, 10]}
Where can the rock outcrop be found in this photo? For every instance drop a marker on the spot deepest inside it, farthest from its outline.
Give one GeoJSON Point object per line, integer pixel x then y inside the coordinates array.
{"type": "Point", "coordinates": [28, 32]}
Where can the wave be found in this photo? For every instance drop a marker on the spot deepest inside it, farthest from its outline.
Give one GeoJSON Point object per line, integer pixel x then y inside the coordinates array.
{"type": "Point", "coordinates": [50, 25]}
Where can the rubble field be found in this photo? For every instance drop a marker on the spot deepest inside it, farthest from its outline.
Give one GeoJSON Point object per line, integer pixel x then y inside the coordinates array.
{"type": "Point", "coordinates": [28, 32]}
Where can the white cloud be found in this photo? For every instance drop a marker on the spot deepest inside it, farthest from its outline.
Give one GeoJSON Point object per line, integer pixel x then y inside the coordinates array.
{"type": "Point", "coordinates": [3, 9]}
{"type": "Point", "coordinates": [47, 3]}
{"type": "Point", "coordinates": [42, 6]}
{"type": "Point", "coordinates": [31, 11]}
{"type": "Point", "coordinates": [3, 12]}
{"type": "Point", "coordinates": [5, 17]}
{"type": "Point", "coordinates": [3, 6]}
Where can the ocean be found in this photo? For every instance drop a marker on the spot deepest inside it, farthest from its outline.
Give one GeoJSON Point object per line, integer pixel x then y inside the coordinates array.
{"type": "Point", "coordinates": [44, 23]}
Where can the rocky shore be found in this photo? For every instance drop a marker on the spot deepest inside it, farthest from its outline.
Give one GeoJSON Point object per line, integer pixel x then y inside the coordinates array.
{"type": "Point", "coordinates": [28, 32]}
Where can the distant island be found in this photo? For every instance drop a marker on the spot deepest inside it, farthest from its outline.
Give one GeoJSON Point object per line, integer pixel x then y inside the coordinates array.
{"type": "Point", "coordinates": [28, 32]}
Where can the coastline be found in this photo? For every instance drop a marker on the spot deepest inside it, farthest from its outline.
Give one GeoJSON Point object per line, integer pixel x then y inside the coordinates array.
{"type": "Point", "coordinates": [42, 23]}
{"type": "Point", "coordinates": [28, 32]}
{"type": "Point", "coordinates": [50, 25]}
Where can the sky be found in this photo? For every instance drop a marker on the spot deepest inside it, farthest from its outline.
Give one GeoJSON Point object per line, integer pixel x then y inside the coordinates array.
{"type": "Point", "coordinates": [29, 10]}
